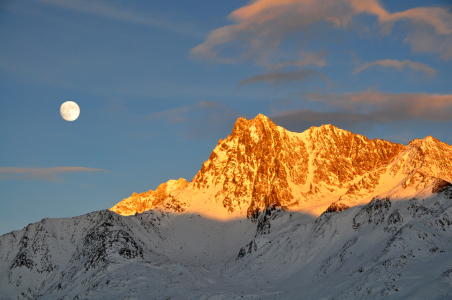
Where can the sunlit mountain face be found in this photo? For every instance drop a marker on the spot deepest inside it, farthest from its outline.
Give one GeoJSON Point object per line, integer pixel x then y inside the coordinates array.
{"type": "Point", "coordinates": [261, 165]}
{"type": "Point", "coordinates": [272, 214]}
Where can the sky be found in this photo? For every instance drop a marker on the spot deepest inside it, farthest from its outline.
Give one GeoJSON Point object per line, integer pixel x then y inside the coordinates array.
{"type": "Point", "coordinates": [160, 82]}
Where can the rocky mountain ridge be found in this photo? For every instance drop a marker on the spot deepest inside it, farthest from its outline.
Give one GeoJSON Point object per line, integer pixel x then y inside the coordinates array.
{"type": "Point", "coordinates": [261, 164]}
{"type": "Point", "coordinates": [137, 203]}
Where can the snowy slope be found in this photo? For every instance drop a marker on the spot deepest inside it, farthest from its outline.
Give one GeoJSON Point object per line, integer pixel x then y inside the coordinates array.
{"type": "Point", "coordinates": [100, 251]}
{"type": "Point", "coordinates": [391, 248]}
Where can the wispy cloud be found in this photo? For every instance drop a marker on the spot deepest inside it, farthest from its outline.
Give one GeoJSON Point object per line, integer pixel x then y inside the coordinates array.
{"type": "Point", "coordinates": [115, 105]}
{"type": "Point", "coordinates": [436, 17]}
{"type": "Point", "coordinates": [390, 107]}
{"type": "Point", "coordinates": [127, 14]}
{"type": "Point", "coordinates": [176, 115]}
{"type": "Point", "coordinates": [369, 107]}
{"type": "Point", "coordinates": [429, 29]}
{"type": "Point", "coordinates": [424, 40]}
{"type": "Point", "coordinates": [198, 120]}
{"type": "Point", "coordinates": [259, 27]}
{"type": "Point", "coordinates": [399, 65]}
{"type": "Point", "coordinates": [306, 59]}
{"type": "Point", "coordinates": [283, 77]}
{"type": "Point", "coordinates": [301, 119]}
{"type": "Point", "coordinates": [371, 124]}
{"type": "Point", "coordinates": [49, 174]}
{"type": "Point", "coordinates": [373, 111]}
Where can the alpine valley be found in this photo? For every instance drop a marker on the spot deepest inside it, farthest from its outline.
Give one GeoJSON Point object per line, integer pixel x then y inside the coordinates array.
{"type": "Point", "coordinates": [272, 214]}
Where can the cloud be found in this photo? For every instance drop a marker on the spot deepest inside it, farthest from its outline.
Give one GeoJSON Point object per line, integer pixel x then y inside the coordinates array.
{"type": "Point", "coordinates": [399, 65]}
{"type": "Point", "coordinates": [175, 115]}
{"type": "Point", "coordinates": [259, 28]}
{"type": "Point", "coordinates": [310, 58]}
{"type": "Point", "coordinates": [372, 124]}
{"type": "Point", "coordinates": [115, 105]}
{"type": "Point", "coordinates": [105, 9]}
{"type": "Point", "coordinates": [302, 119]}
{"type": "Point", "coordinates": [424, 40]}
{"type": "Point", "coordinates": [283, 77]}
{"type": "Point", "coordinates": [366, 109]}
{"type": "Point", "coordinates": [436, 17]}
{"type": "Point", "coordinates": [382, 106]}
{"type": "Point", "coordinates": [49, 174]}
{"type": "Point", "coordinates": [201, 119]}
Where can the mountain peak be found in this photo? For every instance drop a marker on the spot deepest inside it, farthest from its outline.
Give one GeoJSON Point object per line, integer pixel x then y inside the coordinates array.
{"type": "Point", "coordinates": [148, 200]}
{"type": "Point", "coordinates": [431, 140]}
{"type": "Point", "coordinates": [428, 140]}
{"type": "Point", "coordinates": [262, 118]}
{"type": "Point", "coordinates": [262, 164]}
{"type": "Point", "coordinates": [327, 130]}
{"type": "Point", "coordinates": [431, 156]}
{"type": "Point", "coordinates": [329, 127]}
{"type": "Point", "coordinates": [257, 125]}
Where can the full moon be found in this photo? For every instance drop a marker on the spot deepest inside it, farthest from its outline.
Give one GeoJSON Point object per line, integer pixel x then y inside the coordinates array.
{"type": "Point", "coordinates": [69, 111]}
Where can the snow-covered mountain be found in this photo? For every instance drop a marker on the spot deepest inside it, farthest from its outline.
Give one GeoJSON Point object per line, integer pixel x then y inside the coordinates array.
{"type": "Point", "coordinates": [272, 214]}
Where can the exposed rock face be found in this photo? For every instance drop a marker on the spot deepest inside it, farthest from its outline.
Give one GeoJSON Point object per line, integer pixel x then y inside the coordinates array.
{"type": "Point", "coordinates": [420, 163]}
{"type": "Point", "coordinates": [255, 165]}
{"type": "Point", "coordinates": [137, 203]}
{"type": "Point", "coordinates": [341, 156]}
{"type": "Point", "coordinates": [441, 186]}
{"type": "Point", "coordinates": [430, 157]}
{"type": "Point", "coordinates": [336, 207]}
{"type": "Point", "coordinates": [261, 164]}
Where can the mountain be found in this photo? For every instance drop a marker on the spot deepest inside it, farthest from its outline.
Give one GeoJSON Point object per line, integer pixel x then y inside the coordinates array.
{"type": "Point", "coordinates": [261, 164]}
{"type": "Point", "coordinates": [420, 163]}
{"type": "Point", "coordinates": [272, 214]}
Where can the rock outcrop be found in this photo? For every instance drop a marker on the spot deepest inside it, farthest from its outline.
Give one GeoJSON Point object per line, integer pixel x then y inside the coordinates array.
{"type": "Point", "coordinates": [137, 203]}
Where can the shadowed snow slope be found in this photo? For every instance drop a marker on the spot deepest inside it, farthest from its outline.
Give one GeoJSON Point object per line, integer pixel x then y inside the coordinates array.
{"type": "Point", "coordinates": [250, 226]}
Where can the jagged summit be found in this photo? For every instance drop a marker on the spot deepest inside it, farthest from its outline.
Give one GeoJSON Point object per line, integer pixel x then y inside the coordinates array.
{"type": "Point", "coordinates": [138, 203]}
{"type": "Point", "coordinates": [428, 140]}
{"type": "Point", "coordinates": [261, 164]}
{"type": "Point", "coordinates": [431, 157]}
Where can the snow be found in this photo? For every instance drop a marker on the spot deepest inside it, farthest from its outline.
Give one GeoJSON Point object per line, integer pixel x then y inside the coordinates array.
{"type": "Point", "coordinates": [396, 248]}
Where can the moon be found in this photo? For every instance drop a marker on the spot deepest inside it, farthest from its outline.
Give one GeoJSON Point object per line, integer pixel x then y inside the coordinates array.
{"type": "Point", "coordinates": [69, 111]}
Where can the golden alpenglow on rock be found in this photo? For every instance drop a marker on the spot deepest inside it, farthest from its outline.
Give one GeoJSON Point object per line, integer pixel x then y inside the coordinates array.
{"type": "Point", "coordinates": [261, 165]}
{"type": "Point", "coordinates": [137, 203]}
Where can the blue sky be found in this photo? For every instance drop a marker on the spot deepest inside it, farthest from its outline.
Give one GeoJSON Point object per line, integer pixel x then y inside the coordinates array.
{"type": "Point", "coordinates": [160, 82]}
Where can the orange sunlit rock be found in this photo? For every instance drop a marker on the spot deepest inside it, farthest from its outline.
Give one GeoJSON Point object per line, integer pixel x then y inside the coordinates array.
{"type": "Point", "coordinates": [138, 203]}
{"type": "Point", "coordinates": [261, 164]}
